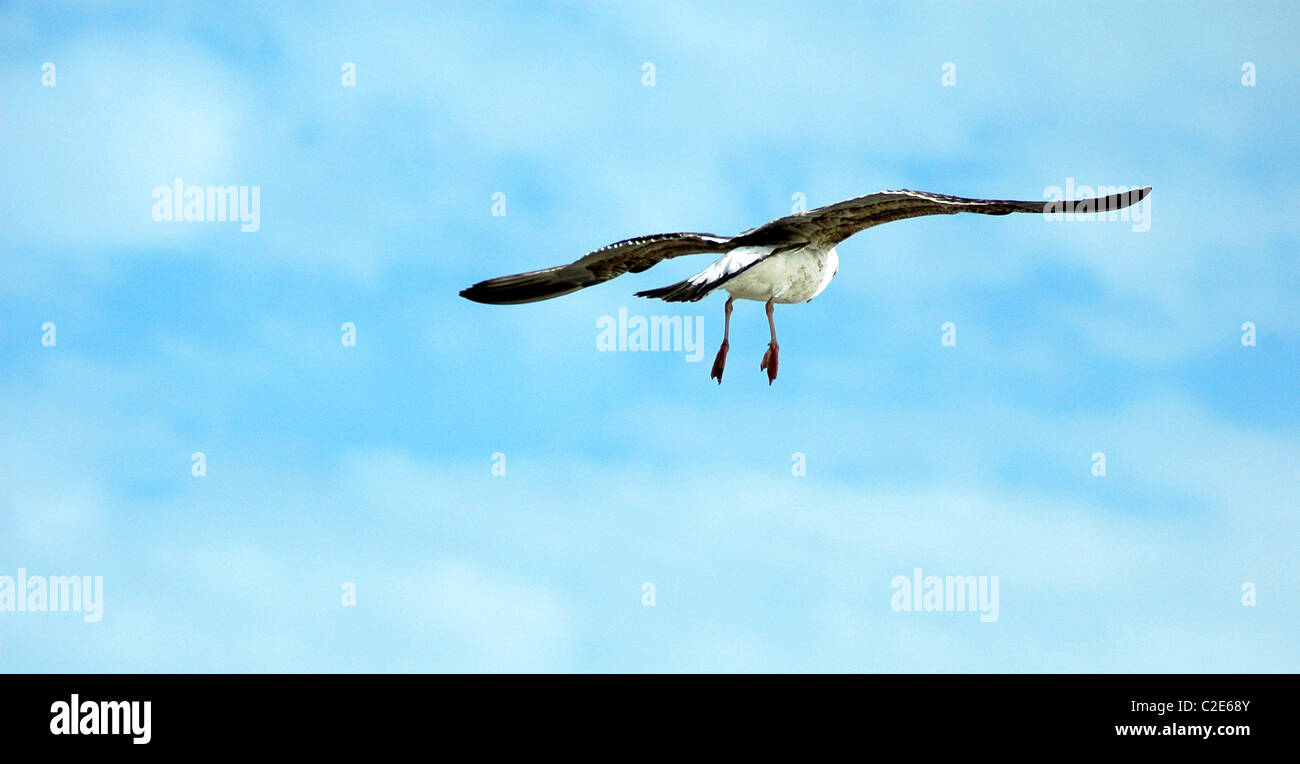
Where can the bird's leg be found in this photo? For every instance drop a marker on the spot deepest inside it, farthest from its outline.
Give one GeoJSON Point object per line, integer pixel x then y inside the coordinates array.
{"type": "Point", "coordinates": [769, 358]}
{"type": "Point", "coordinates": [720, 362]}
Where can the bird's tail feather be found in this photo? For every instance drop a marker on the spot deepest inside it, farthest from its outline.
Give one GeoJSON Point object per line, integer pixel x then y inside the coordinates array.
{"type": "Point", "coordinates": [682, 291]}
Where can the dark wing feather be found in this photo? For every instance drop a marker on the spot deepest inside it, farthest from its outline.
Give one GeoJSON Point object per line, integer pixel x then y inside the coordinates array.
{"type": "Point", "coordinates": [834, 223]}
{"type": "Point", "coordinates": [634, 255]}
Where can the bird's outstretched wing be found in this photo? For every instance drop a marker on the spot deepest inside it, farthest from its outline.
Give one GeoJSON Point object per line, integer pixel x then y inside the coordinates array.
{"type": "Point", "coordinates": [629, 255]}
{"type": "Point", "coordinates": [834, 223]}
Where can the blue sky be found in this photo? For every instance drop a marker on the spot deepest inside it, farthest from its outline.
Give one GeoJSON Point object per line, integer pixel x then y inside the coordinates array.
{"type": "Point", "coordinates": [372, 465]}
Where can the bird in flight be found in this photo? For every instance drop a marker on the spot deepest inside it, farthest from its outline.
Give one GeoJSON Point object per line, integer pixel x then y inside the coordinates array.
{"type": "Point", "coordinates": [787, 260]}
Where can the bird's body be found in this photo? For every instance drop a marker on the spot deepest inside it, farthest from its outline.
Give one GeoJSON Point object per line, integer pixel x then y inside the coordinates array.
{"type": "Point", "coordinates": [787, 260]}
{"type": "Point", "coordinates": [795, 275]}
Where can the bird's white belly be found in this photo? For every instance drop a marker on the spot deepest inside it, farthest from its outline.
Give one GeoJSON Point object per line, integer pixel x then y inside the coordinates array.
{"type": "Point", "coordinates": [795, 276]}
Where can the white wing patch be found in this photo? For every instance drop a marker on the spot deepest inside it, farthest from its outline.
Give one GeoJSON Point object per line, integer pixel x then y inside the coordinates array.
{"type": "Point", "coordinates": [729, 264]}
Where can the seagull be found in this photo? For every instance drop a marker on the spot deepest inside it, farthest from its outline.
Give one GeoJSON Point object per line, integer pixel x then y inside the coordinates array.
{"type": "Point", "coordinates": [788, 260]}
